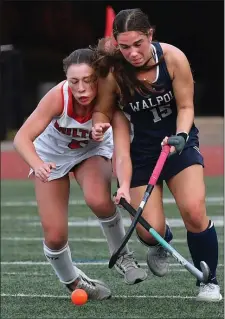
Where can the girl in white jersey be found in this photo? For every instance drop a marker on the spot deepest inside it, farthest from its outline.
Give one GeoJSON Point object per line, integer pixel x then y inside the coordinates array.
{"type": "Point", "coordinates": [54, 141]}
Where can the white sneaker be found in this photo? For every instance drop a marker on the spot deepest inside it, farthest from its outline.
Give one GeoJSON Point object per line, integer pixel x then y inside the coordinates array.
{"type": "Point", "coordinates": [96, 289]}
{"type": "Point", "coordinates": [127, 266]}
{"type": "Point", "coordinates": [157, 260]}
{"type": "Point", "coordinates": [209, 292]}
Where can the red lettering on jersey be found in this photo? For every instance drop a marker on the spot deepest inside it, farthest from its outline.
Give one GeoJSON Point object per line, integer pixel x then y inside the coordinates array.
{"type": "Point", "coordinates": [59, 128]}
{"type": "Point", "coordinates": [56, 125]}
{"type": "Point", "coordinates": [68, 131]}
{"type": "Point", "coordinates": [79, 132]}
{"type": "Point", "coordinates": [74, 132]}
{"type": "Point", "coordinates": [77, 144]}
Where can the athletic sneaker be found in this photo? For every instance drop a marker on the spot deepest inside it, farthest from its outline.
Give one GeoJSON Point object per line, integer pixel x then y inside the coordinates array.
{"type": "Point", "coordinates": [127, 266]}
{"type": "Point", "coordinates": [158, 257]}
{"type": "Point", "coordinates": [209, 292]}
{"type": "Point", "coordinates": [96, 289]}
{"type": "Point", "coordinates": [157, 260]}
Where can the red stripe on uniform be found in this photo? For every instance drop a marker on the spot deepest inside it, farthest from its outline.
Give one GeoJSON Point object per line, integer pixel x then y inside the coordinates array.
{"type": "Point", "coordinates": [72, 114]}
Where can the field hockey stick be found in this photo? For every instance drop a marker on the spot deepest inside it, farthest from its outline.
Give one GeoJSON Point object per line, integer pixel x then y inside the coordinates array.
{"type": "Point", "coordinates": [202, 276]}
{"type": "Point", "coordinates": [152, 181]}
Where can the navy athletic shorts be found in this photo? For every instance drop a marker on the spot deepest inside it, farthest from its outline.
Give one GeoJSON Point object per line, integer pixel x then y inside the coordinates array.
{"type": "Point", "coordinates": [174, 164]}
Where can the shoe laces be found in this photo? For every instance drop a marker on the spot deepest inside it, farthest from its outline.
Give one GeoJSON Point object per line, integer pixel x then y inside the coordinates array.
{"type": "Point", "coordinates": [207, 287]}
{"type": "Point", "coordinates": [161, 252]}
{"type": "Point", "coordinates": [127, 261]}
{"type": "Point", "coordinates": [86, 284]}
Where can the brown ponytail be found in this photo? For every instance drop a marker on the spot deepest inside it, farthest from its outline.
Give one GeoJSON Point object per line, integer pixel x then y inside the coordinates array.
{"type": "Point", "coordinates": [109, 58]}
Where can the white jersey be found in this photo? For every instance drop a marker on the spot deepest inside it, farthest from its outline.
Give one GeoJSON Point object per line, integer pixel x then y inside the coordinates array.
{"type": "Point", "coordinates": [66, 140]}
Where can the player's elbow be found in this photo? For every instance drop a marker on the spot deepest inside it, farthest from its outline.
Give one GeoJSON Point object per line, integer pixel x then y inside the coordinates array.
{"type": "Point", "coordinates": [21, 138]}
{"type": "Point", "coordinates": [186, 106]}
{"type": "Point", "coordinates": [16, 140]}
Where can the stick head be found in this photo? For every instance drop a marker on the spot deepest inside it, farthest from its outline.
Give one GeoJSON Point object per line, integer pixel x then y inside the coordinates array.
{"type": "Point", "coordinates": [205, 271]}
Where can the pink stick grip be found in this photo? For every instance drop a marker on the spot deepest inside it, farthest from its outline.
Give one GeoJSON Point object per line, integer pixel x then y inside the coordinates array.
{"type": "Point", "coordinates": [159, 165]}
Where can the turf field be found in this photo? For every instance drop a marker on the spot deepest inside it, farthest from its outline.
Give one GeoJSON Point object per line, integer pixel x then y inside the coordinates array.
{"type": "Point", "coordinates": [29, 288]}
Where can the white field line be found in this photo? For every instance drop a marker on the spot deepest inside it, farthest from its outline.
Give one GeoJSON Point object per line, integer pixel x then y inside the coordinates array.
{"type": "Point", "coordinates": [39, 274]}
{"type": "Point", "coordinates": [84, 239]}
{"type": "Point", "coordinates": [113, 297]}
{"type": "Point", "coordinates": [88, 263]}
{"type": "Point", "coordinates": [90, 222]}
{"type": "Point", "coordinates": [45, 275]}
{"type": "Point", "coordinates": [94, 222]}
{"type": "Point", "coordinates": [214, 200]}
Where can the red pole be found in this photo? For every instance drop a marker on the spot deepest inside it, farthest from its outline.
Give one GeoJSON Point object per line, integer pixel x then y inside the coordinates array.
{"type": "Point", "coordinates": [110, 16]}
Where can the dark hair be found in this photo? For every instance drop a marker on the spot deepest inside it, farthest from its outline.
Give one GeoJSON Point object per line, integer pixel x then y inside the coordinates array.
{"type": "Point", "coordinates": [131, 20]}
{"type": "Point", "coordinates": [79, 56]}
{"type": "Point", "coordinates": [109, 58]}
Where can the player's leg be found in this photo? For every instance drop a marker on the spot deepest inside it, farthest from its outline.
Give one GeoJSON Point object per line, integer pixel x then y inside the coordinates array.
{"type": "Point", "coordinates": [188, 189]}
{"type": "Point", "coordinates": [94, 177]}
{"type": "Point", "coordinates": [52, 199]}
{"type": "Point", "coordinates": [157, 258]}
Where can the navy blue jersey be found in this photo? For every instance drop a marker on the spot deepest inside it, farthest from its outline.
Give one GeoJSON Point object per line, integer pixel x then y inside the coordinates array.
{"type": "Point", "coordinates": [154, 116]}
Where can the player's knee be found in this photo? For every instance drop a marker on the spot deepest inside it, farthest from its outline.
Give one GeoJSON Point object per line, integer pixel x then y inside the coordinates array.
{"type": "Point", "coordinates": [195, 215]}
{"type": "Point", "coordinates": [102, 206]}
{"type": "Point", "coordinates": [55, 240]}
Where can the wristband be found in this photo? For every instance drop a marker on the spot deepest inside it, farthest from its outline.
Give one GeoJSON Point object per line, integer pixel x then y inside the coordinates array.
{"type": "Point", "coordinates": [184, 135]}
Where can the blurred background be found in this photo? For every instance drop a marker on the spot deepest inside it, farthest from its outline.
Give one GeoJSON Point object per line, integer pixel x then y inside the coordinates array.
{"type": "Point", "coordinates": [37, 35]}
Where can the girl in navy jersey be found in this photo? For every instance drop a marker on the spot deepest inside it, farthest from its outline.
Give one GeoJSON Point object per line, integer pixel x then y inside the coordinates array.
{"type": "Point", "coordinates": [153, 85]}
{"type": "Point", "coordinates": [54, 141]}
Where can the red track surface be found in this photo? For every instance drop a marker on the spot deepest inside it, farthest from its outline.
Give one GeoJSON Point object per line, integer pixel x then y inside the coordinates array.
{"type": "Point", "coordinates": [13, 167]}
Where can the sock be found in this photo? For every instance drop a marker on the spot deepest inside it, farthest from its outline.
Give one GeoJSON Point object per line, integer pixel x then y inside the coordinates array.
{"type": "Point", "coordinates": [114, 231]}
{"type": "Point", "coordinates": [168, 234]}
{"type": "Point", "coordinates": [203, 246]}
{"type": "Point", "coordinates": [168, 237]}
{"type": "Point", "coordinates": [62, 264]}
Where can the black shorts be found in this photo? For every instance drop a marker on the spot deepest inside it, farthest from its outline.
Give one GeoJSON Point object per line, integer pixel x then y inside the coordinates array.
{"type": "Point", "coordinates": [174, 164]}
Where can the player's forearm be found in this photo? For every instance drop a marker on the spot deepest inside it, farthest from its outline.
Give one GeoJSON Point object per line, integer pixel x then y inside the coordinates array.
{"type": "Point", "coordinates": [185, 119]}
{"type": "Point", "coordinates": [124, 171]}
{"type": "Point", "coordinates": [26, 149]}
{"type": "Point", "coordinates": [99, 117]}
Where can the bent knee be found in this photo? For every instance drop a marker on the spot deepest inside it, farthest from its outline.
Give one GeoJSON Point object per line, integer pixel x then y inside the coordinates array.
{"type": "Point", "coordinates": [194, 215]}
{"type": "Point", "coordinates": [101, 205]}
{"type": "Point", "coordinates": [56, 240]}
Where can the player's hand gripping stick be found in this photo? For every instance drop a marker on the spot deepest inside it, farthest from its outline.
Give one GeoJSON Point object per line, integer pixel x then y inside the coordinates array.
{"type": "Point", "coordinates": [152, 181]}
